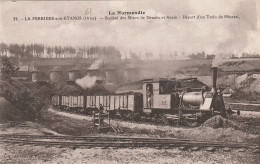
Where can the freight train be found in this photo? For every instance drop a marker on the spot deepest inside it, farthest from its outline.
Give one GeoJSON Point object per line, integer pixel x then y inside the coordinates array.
{"type": "Point", "coordinates": [162, 98]}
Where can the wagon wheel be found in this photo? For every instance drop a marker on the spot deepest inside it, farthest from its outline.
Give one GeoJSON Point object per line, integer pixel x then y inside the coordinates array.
{"type": "Point", "coordinates": [189, 124]}
{"type": "Point", "coordinates": [112, 114]}
{"type": "Point", "coordinates": [129, 116]}
{"type": "Point", "coordinates": [122, 115]}
{"type": "Point", "coordinates": [137, 117]}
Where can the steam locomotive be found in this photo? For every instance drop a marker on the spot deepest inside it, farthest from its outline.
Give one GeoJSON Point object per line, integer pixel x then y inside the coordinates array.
{"type": "Point", "coordinates": [160, 99]}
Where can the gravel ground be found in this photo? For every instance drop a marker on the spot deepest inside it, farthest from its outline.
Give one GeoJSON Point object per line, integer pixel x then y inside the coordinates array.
{"type": "Point", "coordinates": [10, 153]}
{"type": "Point", "coordinates": [25, 128]}
{"type": "Point", "coordinates": [148, 155]}
{"type": "Point", "coordinates": [28, 154]}
{"type": "Point", "coordinates": [199, 133]}
{"type": "Point", "coordinates": [63, 124]}
{"type": "Point", "coordinates": [39, 154]}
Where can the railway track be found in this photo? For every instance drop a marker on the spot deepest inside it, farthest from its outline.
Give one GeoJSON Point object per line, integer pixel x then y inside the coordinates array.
{"type": "Point", "coordinates": [244, 106]}
{"type": "Point", "coordinates": [118, 142]}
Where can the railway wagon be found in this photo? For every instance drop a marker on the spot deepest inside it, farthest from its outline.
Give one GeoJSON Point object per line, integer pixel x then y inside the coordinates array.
{"type": "Point", "coordinates": [55, 99]}
{"type": "Point", "coordinates": [69, 103]}
{"type": "Point", "coordinates": [123, 104]}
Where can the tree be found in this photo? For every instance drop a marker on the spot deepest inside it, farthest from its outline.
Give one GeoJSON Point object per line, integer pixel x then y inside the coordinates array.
{"type": "Point", "coordinates": [15, 49]}
{"type": "Point", "coordinates": [7, 69]}
{"type": "Point", "coordinates": [39, 49]}
{"type": "Point", "coordinates": [148, 56]}
{"type": "Point", "coordinates": [57, 51]}
{"type": "Point", "coordinates": [134, 56]}
{"type": "Point", "coordinates": [49, 51]}
{"type": "Point", "coordinates": [3, 49]}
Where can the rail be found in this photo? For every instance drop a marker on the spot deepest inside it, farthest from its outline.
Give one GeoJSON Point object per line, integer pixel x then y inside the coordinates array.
{"type": "Point", "coordinates": [117, 142]}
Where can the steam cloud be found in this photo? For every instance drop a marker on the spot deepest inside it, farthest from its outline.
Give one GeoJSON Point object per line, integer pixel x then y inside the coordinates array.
{"type": "Point", "coordinates": [96, 64]}
{"type": "Point", "coordinates": [238, 33]}
{"type": "Point", "coordinates": [89, 81]}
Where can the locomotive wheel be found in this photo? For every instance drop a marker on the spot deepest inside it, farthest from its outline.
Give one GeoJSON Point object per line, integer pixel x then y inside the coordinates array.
{"type": "Point", "coordinates": [195, 124]}
{"type": "Point", "coordinates": [165, 120]}
{"type": "Point", "coordinates": [168, 121]}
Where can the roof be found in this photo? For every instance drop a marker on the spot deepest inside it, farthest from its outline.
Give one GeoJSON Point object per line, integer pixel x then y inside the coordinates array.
{"type": "Point", "coordinates": [158, 80]}
{"type": "Point", "coordinates": [136, 86]}
{"type": "Point", "coordinates": [191, 83]}
{"type": "Point", "coordinates": [71, 90]}
{"type": "Point", "coordinates": [97, 89]}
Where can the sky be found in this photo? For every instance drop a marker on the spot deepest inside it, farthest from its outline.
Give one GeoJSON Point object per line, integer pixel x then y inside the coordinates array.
{"type": "Point", "coordinates": [156, 36]}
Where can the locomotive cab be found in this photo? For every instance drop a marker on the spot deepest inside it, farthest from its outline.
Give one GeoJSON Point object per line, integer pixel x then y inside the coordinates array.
{"type": "Point", "coordinates": [160, 94]}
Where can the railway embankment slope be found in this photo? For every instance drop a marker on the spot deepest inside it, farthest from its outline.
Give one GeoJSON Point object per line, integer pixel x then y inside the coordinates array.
{"type": "Point", "coordinates": [8, 112]}
{"type": "Point", "coordinates": [215, 129]}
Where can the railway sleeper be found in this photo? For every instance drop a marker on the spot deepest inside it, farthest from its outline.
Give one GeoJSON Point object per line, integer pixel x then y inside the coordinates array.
{"type": "Point", "coordinates": [195, 148]}
{"type": "Point", "coordinates": [183, 148]}
{"type": "Point", "coordinates": [226, 149]}
{"type": "Point", "coordinates": [130, 145]}
{"type": "Point", "coordinates": [256, 151]}
{"type": "Point", "coordinates": [211, 149]}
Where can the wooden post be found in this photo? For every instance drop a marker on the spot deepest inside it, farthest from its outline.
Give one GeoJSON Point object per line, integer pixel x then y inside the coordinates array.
{"type": "Point", "coordinates": [99, 121]}
{"type": "Point", "coordinates": [94, 119]}
{"type": "Point", "coordinates": [180, 116]}
{"type": "Point", "coordinates": [60, 100]}
{"type": "Point", "coordinates": [109, 118]}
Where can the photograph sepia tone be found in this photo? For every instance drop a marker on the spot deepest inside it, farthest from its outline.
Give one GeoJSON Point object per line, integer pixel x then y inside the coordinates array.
{"type": "Point", "coordinates": [140, 81]}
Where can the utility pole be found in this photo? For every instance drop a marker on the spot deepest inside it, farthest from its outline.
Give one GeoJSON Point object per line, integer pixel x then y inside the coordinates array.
{"type": "Point", "coordinates": [103, 69]}
{"type": "Point", "coordinates": [234, 75]}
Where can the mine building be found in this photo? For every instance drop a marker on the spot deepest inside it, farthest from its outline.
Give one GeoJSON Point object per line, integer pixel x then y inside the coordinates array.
{"type": "Point", "coordinates": [56, 75]}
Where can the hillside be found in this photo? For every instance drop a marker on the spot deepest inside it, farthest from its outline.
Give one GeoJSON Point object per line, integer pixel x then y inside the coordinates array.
{"type": "Point", "coordinates": [8, 112]}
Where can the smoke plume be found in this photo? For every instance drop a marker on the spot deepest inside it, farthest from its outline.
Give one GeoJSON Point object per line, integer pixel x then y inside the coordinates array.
{"type": "Point", "coordinates": [96, 64]}
{"type": "Point", "coordinates": [238, 30]}
{"type": "Point", "coordinates": [89, 81]}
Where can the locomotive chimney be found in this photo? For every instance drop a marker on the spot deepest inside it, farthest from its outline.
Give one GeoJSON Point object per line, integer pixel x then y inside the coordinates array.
{"type": "Point", "coordinates": [214, 78]}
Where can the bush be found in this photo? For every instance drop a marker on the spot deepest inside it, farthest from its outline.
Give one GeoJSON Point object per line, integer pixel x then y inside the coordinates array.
{"type": "Point", "coordinates": [29, 99]}
{"type": "Point", "coordinates": [21, 97]}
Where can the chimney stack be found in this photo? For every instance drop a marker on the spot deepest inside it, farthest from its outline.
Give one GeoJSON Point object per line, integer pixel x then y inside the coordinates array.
{"type": "Point", "coordinates": [214, 78]}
